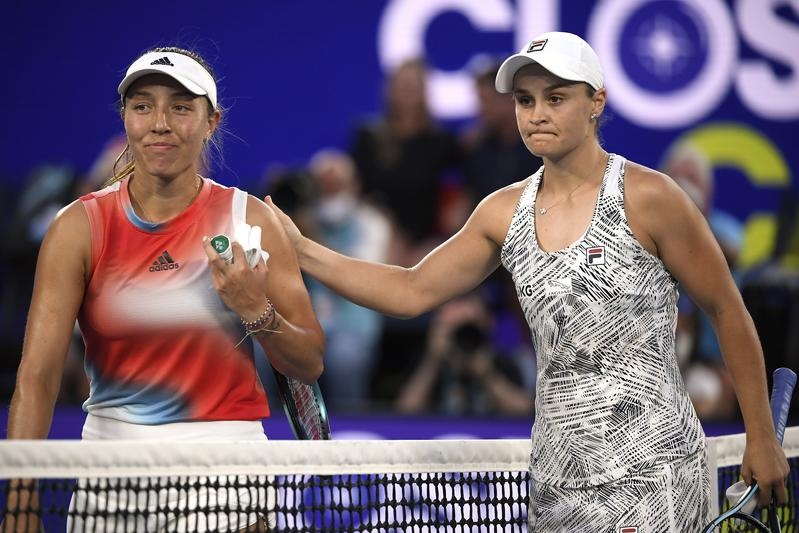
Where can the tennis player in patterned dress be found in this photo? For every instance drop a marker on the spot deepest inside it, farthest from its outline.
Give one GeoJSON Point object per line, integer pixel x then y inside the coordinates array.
{"type": "Point", "coordinates": [163, 316]}
{"type": "Point", "coordinates": [596, 246]}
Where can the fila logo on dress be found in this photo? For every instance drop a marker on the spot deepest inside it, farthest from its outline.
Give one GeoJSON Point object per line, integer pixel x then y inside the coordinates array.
{"type": "Point", "coordinates": [163, 263]}
{"type": "Point", "coordinates": [595, 255]}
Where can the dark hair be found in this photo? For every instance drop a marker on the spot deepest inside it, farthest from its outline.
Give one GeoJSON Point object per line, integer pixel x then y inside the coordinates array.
{"type": "Point", "coordinates": [125, 159]}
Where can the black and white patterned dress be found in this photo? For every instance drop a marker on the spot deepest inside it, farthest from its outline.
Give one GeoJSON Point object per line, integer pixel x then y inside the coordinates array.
{"type": "Point", "coordinates": [610, 401]}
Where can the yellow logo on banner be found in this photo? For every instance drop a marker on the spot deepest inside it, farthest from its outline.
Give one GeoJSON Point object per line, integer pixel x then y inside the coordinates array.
{"type": "Point", "coordinates": [739, 146]}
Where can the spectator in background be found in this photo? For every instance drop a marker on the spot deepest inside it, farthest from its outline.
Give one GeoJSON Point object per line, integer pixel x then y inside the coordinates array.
{"type": "Point", "coordinates": [404, 158]}
{"type": "Point", "coordinates": [495, 154]}
{"type": "Point", "coordinates": [706, 376]}
{"type": "Point", "coordinates": [294, 188]}
{"type": "Point", "coordinates": [44, 192]}
{"type": "Point", "coordinates": [406, 161]}
{"type": "Point", "coordinates": [102, 169]}
{"type": "Point", "coordinates": [692, 170]}
{"type": "Point", "coordinates": [462, 373]}
{"type": "Point", "coordinates": [342, 220]}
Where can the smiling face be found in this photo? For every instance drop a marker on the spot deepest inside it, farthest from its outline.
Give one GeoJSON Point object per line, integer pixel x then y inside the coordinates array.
{"type": "Point", "coordinates": [166, 126]}
{"type": "Point", "coordinates": [553, 114]}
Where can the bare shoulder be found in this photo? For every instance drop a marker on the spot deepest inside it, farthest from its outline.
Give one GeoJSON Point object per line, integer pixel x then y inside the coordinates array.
{"type": "Point", "coordinates": [509, 193]}
{"type": "Point", "coordinates": [71, 220]}
{"type": "Point", "coordinates": [655, 204]}
{"type": "Point", "coordinates": [649, 194]}
{"type": "Point", "coordinates": [647, 187]}
{"type": "Point", "coordinates": [259, 214]}
{"type": "Point", "coordinates": [68, 242]}
{"type": "Point", "coordinates": [273, 236]}
{"type": "Point", "coordinates": [494, 213]}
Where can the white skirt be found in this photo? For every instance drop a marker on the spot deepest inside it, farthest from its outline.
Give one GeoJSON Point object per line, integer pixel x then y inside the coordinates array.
{"type": "Point", "coordinates": [672, 497]}
{"type": "Point", "coordinates": [102, 428]}
{"type": "Point", "coordinates": [172, 503]}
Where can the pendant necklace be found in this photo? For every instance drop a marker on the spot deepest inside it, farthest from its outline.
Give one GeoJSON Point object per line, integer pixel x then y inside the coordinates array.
{"type": "Point", "coordinates": [545, 210]}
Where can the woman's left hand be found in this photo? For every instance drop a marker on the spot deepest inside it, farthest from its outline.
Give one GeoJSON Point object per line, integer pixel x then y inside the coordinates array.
{"type": "Point", "coordinates": [243, 289]}
{"type": "Point", "coordinates": [765, 463]}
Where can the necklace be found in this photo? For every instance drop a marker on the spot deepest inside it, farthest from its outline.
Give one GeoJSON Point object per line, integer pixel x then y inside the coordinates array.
{"type": "Point", "coordinates": [545, 210]}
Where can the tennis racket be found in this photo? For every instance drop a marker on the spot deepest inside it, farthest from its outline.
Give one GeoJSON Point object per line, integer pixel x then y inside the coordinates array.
{"type": "Point", "coordinates": [730, 520]}
{"type": "Point", "coordinates": [304, 407]}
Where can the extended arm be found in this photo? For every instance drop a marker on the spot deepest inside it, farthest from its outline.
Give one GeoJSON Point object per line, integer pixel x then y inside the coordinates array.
{"type": "Point", "coordinates": [453, 268]}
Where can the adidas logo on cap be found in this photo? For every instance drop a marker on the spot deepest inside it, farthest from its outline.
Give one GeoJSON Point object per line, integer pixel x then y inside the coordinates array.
{"type": "Point", "coordinates": [163, 61]}
{"type": "Point", "coordinates": [164, 262]}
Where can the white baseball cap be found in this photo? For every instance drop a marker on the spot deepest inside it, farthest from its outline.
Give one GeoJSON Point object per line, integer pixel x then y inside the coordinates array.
{"type": "Point", "coordinates": [188, 72]}
{"type": "Point", "coordinates": [563, 54]}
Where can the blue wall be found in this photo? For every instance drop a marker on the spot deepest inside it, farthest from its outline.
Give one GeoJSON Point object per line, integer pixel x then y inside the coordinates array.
{"type": "Point", "coordinates": [295, 76]}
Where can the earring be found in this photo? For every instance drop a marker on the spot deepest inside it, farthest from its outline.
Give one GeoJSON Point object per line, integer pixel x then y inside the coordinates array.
{"type": "Point", "coordinates": [593, 116]}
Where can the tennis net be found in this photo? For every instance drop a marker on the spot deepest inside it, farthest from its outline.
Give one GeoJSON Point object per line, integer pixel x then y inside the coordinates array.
{"type": "Point", "coordinates": [383, 486]}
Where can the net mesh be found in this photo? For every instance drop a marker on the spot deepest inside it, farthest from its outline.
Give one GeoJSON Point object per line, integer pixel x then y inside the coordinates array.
{"type": "Point", "coordinates": [382, 486]}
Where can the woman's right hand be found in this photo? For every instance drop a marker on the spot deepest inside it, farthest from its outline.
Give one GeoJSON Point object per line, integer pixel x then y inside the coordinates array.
{"type": "Point", "coordinates": [292, 231]}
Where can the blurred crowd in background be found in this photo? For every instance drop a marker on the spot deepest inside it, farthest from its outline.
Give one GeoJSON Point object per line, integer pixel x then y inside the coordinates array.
{"type": "Point", "coordinates": [403, 185]}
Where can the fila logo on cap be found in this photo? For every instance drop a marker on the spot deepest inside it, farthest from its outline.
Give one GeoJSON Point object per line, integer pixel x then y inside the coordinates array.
{"type": "Point", "coordinates": [163, 61]}
{"type": "Point", "coordinates": [537, 46]}
{"type": "Point", "coordinates": [595, 255]}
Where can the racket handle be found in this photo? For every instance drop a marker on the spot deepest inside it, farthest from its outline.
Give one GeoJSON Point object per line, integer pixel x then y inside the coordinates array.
{"type": "Point", "coordinates": [781, 392]}
{"type": "Point", "coordinates": [784, 381]}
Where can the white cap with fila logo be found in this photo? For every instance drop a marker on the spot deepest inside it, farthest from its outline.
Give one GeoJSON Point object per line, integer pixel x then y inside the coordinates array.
{"type": "Point", "coordinates": [185, 70]}
{"type": "Point", "coordinates": [563, 54]}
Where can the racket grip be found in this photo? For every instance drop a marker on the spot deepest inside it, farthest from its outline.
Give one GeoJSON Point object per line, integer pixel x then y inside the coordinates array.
{"type": "Point", "coordinates": [781, 392]}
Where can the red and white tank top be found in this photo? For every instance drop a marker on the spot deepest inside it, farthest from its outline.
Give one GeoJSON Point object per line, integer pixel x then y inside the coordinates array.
{"type": "Point", "coordinates": [161, 346]}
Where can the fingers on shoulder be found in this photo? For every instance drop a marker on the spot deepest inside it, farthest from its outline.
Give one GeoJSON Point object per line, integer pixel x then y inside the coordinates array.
{"type": "Point", "coordinates": [261, 214]}
{"type": "Point", "coordinates": [273, 236]}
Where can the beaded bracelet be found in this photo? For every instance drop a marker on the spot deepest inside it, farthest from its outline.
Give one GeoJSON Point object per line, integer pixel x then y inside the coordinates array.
{"type": "Point", "coordinates": [264, 323]}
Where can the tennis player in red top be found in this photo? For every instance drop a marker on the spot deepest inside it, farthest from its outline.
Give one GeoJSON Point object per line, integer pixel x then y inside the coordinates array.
{"type": "Point", "coordinates": [163, 316]}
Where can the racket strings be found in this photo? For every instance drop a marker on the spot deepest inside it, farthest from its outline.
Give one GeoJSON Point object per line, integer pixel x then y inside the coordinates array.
{"type": "Point", "coordinates": [743, 523]}
{"type": "Point", "coordinates": [766, 520]}
{"type": "Point", "coordinates": [307, 409]}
